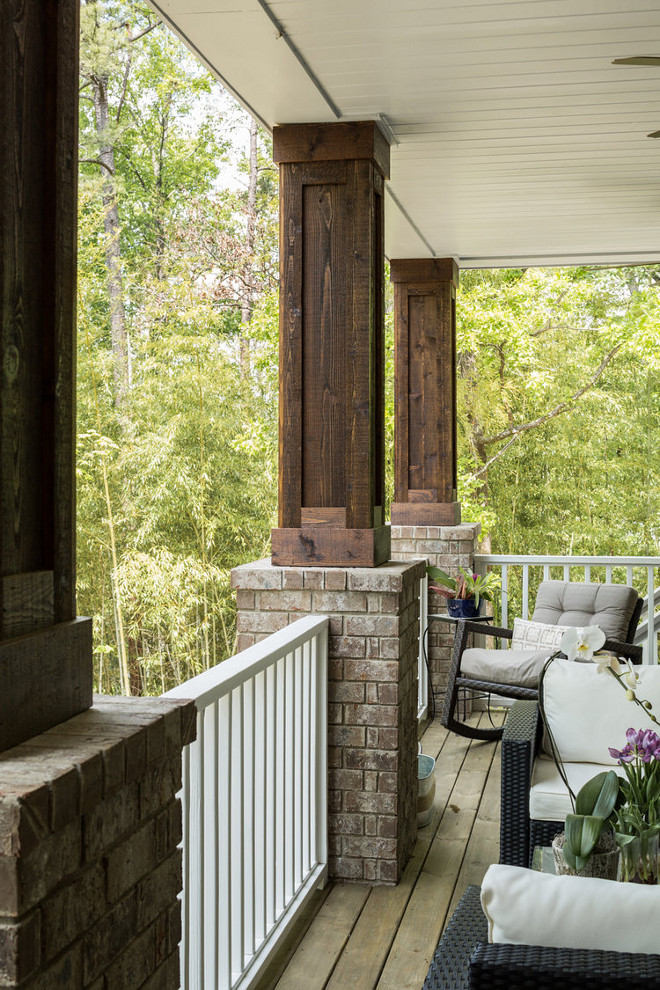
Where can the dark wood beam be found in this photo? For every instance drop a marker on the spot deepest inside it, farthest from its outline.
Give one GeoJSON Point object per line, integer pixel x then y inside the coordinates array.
{"type": "Point", "coordinates": [425, 392]}
{"type": "Point", "coordinates": [331, 479]}
{"type": "Point", "coordinates": [39, 166]}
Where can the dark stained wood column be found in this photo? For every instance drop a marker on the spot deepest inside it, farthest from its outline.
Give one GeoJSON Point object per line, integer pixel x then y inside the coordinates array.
{"type": "Point", "coordinates": [425, 392]}
{"type": "Point", "coordinates": [332, 463]}
{"type": "Point", "coordinates": [45, 652]}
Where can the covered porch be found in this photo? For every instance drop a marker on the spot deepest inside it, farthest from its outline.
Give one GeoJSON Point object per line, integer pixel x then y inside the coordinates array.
{"type": "Point", "coordinates": [444, 137]}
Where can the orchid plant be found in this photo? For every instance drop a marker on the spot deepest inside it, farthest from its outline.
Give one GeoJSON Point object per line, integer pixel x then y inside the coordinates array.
{"type": "Point", "coordinates": [582, 643]}
{"type": "Point", "coordinates": [638, 816]}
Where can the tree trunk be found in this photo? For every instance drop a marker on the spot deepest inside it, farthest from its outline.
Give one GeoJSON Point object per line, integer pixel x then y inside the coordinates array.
{"type": "Point", "coordinates": [118, 333]}
{"type": "Point", "coordinates": [246, 307]}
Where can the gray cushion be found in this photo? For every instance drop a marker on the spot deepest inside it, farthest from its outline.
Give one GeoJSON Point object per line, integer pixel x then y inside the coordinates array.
{"type": "Point", "coordinates": [570, 603]}
{"type": "Point", "coordinates": [521, 667]}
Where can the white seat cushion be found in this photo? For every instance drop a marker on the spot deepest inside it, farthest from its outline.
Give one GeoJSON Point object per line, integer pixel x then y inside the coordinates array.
{"type": "Point", "coordinates": [522, 667]}
{"type": "Point", "coordinates": [524, 907]}
{"type": "Point", "coordinates": [548, 798]}
{"type": "Point", "coordinates": [588, 711]}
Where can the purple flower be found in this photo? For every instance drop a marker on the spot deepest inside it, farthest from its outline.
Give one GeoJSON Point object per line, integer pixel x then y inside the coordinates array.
{"type": "Point", "coordinates": [642, 743]}
{"type": "Point", "coordinates": [625, 755]}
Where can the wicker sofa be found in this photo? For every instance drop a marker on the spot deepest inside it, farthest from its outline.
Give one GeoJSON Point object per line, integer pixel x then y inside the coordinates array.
{"type": "Point", "coordinates": [465, 961]}
{"type": "Point", "coordinates": [588, 712]}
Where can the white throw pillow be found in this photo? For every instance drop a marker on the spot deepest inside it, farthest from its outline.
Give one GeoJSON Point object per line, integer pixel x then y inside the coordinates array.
{"type": "Point", "coordinates": [587, 709]}
{"type": "Point", "coordinates": [524, 907]}
{"type": "Point", "coordinates": [530, 635]}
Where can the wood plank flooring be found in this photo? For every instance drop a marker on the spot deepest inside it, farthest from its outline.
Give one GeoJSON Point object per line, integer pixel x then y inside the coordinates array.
{"type": "Point", "coordinates": [383, 938]}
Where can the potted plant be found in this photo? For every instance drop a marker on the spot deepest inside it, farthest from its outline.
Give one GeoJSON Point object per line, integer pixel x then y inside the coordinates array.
{"type": "Point", "coordinates": [586, 847]}
{"type": "Point", "coordinates": [637, 818]}
{"type": "Point", "coordinates": [464, 594]}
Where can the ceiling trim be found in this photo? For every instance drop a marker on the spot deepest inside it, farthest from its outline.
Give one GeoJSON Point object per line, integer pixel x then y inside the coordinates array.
{"type": "Point", "coordinates": [406, 215]}
{"type": "Point", "coordinates": [611, 259]}
{"type": "Point", "coordinates": [213, 69]}
{"type": "Point", "coordinates": [281, 33]}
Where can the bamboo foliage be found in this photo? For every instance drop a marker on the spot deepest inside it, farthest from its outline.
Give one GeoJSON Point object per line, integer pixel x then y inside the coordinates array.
{"type": "Point", "coordinates": [176, 473]}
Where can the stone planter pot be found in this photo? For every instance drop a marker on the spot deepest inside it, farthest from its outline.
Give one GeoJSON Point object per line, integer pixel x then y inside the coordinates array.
{"type": "Point", "coordinates": [603, 862]}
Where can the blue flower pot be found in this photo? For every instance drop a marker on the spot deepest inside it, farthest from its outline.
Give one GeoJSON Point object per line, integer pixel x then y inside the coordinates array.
{"type": "Point", "coordinates": [463, 608]}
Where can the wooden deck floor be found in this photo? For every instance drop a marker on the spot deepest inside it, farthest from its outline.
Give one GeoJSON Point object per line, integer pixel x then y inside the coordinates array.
{"type": "Point", "coordinates": [383, 938]}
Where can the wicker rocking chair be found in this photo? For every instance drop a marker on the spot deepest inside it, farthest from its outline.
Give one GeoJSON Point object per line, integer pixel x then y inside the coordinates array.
{"type": "Point", "coordinates": [514, 673]}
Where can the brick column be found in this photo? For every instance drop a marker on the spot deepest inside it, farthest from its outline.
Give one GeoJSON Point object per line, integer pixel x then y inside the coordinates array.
{"type": "Point", "coordinates": [372, 698]}
{"type": "Point", "coordinates": [448, 547]}
{"type": "Point", "coordinates": [89, 864]}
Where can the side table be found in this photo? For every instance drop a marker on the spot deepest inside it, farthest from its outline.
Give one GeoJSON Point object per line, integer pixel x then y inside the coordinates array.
{"type": "Point", "coordinates": [453, 621]}
{"type": "Point", "coordinates": [543, 859]}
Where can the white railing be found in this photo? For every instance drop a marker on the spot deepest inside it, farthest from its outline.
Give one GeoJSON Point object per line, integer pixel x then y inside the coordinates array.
{"type": "Point", "coordinates": [254, 804]}
{"type": "Point", "coordinates": [422, 672]}
{"type": "Point", "coordinates": [525, 571]}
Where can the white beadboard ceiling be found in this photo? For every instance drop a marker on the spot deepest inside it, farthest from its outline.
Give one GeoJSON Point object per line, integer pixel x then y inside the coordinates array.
{"type": "Point", "coordinates": [519, 143]}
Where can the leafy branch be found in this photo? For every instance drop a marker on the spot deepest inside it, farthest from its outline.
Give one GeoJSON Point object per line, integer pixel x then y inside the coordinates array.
{"type": "Point", "coordinates": [515, 432]}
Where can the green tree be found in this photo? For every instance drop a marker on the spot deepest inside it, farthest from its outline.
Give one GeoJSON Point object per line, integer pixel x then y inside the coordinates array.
{"type": "Point", "coordinates": [558, 410]}
{"type": "Point", "coordinates": [176, 471]}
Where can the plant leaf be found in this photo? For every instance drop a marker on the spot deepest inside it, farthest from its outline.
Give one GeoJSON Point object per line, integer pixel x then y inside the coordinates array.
{"type": "Point", "coordinates": [599, 795]}
{"type": "Point", "coordinates": [438, 575]}
{"type": "Point", "coordinates": [582, 834]}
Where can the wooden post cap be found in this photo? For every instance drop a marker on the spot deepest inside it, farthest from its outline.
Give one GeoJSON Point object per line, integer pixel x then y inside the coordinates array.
{"type": "Point", "coordinates": [349, 141]}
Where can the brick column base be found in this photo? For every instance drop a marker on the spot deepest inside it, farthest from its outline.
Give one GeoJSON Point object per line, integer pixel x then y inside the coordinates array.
{"type": "Point", "coordinates": [89, 864]}
{"type": "Point", "coordinates": [448, 547]}
{"type": "Point", "coordinates": [372, 698]}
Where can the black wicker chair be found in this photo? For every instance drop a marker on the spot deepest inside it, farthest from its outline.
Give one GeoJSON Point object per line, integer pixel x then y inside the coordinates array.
{"type": "Point", "coordinates": [557, 603]}
{"type": "Point", "coordinates": [465, 961]}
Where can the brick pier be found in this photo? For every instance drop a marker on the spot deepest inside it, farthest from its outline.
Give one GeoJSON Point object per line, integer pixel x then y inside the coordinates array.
{"type": "Point", "coordinates": [89, 865]}
{"type": "Point", "coordinates": [448, 547]}
{"type": "Point", "coordinates": [372, 698]}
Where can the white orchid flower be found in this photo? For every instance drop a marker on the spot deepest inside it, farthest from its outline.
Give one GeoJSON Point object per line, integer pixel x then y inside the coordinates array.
{"type": "Point", "coordinates": [581, 643]}
{"type": "Point", "coordinates": [630, 675]}
{"type": "Point", "coordinates": [623, 668]}
{"type": "Point", "coordinates": [605, 662]}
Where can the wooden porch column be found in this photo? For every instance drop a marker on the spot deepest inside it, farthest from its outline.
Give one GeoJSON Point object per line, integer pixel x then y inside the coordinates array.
{"type": "Point", "coordinates": [45, 652]}
{"type": "Point", "coordinates": [331, 475]}
{"type": "Point", "coordinates": [425, 392]}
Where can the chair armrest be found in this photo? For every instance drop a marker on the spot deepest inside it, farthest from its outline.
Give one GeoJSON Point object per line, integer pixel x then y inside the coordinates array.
{"type": "Point", "coordinates": [520, 742]}
{"type": "Point", "coordinates": [523, 726]}
{"type": "Point", "coordinates": [518, 967]}
{"type": "Point", "coordinates": [627, 650]}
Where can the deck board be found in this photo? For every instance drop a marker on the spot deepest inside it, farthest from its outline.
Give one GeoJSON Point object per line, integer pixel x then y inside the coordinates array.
{"type": "Point", "coordinates": [383, 938]}
{"type": "Point", "coordinates": [316, 957]}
